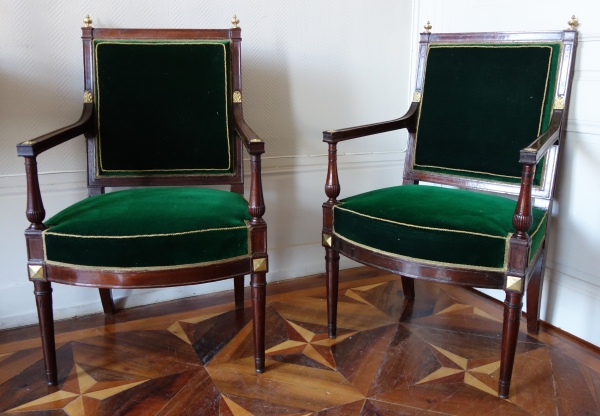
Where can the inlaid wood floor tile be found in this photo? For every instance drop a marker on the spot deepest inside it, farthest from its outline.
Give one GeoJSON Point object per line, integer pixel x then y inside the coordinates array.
{"type": "Point", "coordinates": [12, 364]}
{"type": "Point", "coordinates": [436, 355]}
{"type": "Point", "coordinates": [573, 391]}
{"type": "Point", "coordinates": [377, 408]}
{"type": "Point", "coordinates": [349, 409]}
{"type": "Point", "coordinates": [533, 387]}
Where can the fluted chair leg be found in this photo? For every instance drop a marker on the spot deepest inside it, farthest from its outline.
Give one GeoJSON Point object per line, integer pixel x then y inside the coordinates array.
{"type": "Point", "coordinates": [43, 299]}
{"type": "Point", "coordinates": [258, 284]}
{"type": "Point", "coordinates": [510, 333]}
{"type": "Point", "coordinates": [332, 271]}
{"type": "Point", "coordinates": [238, 291]}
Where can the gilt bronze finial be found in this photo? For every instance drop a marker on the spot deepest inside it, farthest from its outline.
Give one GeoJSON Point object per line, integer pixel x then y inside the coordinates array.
{"type": "Point", "coordinates": [235, 21]}
{"type": "Point", "coordinates": [87, 21]}
{"type": "Point", "coordinates": [428, 27]}
{"type": "Point", "coordinates": [573, 23]}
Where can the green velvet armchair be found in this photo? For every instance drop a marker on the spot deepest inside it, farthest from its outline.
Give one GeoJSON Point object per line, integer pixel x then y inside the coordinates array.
{"type": "Point", "coordinates": [162, 110]}
{"type": "Point", "coordinates": [488, 113]}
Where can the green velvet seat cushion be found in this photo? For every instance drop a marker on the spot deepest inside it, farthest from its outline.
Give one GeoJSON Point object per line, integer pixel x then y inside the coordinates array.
{"type": "Point", "coordinates": [434, 225]}
{"type": "Point", "coordinates": [163, 107]}
{"type": "Point", "coordinates": [482, 104]}
{"type": "Point", "coordinates": [149, 227]}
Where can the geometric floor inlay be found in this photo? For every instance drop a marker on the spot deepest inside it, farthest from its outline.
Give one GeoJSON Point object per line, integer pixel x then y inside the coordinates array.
{"type": "Point", "coordinates": [437, 354]}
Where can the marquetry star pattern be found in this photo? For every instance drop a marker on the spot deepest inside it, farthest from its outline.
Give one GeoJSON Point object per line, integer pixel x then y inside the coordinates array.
{"type": "Point", "coordinates": [316, 346]}
{"type": "Point", "coordinates": [456, 369]}
{"type": "Point", "coordinates": [81, 394]}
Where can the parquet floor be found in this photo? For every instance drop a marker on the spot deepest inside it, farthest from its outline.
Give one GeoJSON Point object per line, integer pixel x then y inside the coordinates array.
{"type": "Point", "coordinates": [436, 355]}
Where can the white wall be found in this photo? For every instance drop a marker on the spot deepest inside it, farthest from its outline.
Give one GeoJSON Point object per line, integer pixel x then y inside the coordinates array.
{"type": "Point", "coordinates": [307, 66]}
{"type": "Point", "coordinates": [571, 298]}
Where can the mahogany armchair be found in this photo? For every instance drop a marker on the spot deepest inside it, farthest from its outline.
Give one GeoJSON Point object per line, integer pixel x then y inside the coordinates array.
{"type": "Point", "coordinates": [162, 109]}
{"type": "Point", "coordinates": [488, 113]}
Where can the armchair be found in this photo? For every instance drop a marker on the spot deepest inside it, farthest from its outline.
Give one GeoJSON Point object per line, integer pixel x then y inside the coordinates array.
{"type": "Point", "coordinates": [162, 110]}
{"type": "Point", "coordinates": [488, 113]}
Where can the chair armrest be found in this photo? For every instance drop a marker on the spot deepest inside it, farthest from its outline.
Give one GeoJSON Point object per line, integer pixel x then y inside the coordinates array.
{"type": "Point", "coordinates": [251, 141]}
{"type": "Point", "coordinates": [32, 148]}
{"type": "Point", "coordinates": [536, 150]}
{"type": "Point", "coordinates": [407, 121]}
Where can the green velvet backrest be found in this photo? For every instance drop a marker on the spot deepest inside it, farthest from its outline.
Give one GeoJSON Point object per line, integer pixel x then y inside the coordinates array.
{"type": "Point", "coordinates": [163, 107]}
{"type": "Point", "coordinates": [480, 105]}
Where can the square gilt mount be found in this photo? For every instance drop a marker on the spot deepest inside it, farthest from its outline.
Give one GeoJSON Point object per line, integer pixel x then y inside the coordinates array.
{"type": "Point", "coordinates": [259, 265]}
{"type": "Point", "coordinates": [36, 271]}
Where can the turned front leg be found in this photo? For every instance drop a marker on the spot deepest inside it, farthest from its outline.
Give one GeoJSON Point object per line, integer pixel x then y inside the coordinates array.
{"type": "Point", "coordinates": [258, 284]}
{"type": "Point", "coordinates": [43, 299]}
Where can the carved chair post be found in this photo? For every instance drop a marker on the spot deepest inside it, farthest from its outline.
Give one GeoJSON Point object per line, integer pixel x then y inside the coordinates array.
{"type": "Point", "coordinates": [332, 257]}
{"type": "Point", "coordinates": [518, 257]}
{"type": "Point", "coordinates": [42, 289]}
{"type": "Point", "coordinates": [258, 281]}
{"type": "Point", "coordinates": [35, 207]}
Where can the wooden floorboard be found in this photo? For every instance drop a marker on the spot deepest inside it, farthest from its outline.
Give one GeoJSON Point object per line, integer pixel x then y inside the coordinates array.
{"type": "Point", "coordinates": [438, 354]}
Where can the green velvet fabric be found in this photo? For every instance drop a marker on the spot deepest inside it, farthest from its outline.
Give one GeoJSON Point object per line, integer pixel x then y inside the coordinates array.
{"type": "Point", "coordinates": [481, 105]}
{"type": "Point", "coordinates": [150, 227]}
{"type": "Point", "coordinates": [163, 107]}
{"type": "Point", "coordinates": [434, 224]}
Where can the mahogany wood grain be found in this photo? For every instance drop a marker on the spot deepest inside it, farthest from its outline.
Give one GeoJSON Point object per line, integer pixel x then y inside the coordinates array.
{"type": "Point", "coordinates": [35, 207]}
{"type": "Point", "coordinates": [258, 284]}
{"type": "Point", "coordinates": [546, 145]}
{"type": "Point", "coordinates": [43, 300]}
{"type": "Point", "coordinates": [510, 332]}
{"type": "Point", "coordinates": [416, 270]}
{"type": "Point", "coordinates": [131, 279]}
{"type": "Point", "coordinates": [110, 279]}
{"type": "Point", "coordinates": [332, 270]}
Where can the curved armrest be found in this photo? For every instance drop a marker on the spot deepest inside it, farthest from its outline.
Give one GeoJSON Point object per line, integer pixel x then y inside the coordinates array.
{"type": "Point", "coordinates": [536, 150]}
{"type": "Point", "coordinates": [32, 148]}
{"type": "Point", "coordinates": [251, 141]}
{"type": "Point", "coordinates": [408, 121]}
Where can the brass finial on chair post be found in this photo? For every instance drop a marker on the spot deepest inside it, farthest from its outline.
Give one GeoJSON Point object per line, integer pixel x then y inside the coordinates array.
{"type": "Point", "coordinates": [573, 23]}
{"type": "Point", "coordinates": [428, 27]}
{"type": "Point", "coordinates": [87, 21]}
{"type": "Point", "coordinates": [235, 21]}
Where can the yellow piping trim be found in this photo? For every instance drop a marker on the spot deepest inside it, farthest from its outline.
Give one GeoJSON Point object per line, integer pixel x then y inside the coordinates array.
{"type": "Point", "coordinates": [99, 156]}
{"type": "Point", "coordinates": [539, 225]}
{"type": "Point", "coordinates": [140, 235]}
{"type": "Point", "coordinates": [141, 269]}
{"type": "Point", "coordinates": [432, 262]}
{"type": "Point", "coordinates": [439, 46]}
{"type": "Point", "coordinates": [438, 263]}
{"type": "Point", "coordinates": [419, 226]}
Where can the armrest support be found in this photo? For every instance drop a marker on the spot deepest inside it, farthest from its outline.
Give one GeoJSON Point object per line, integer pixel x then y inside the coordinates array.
{"type": "Point", "coordinates": [407, 121]}
{"type": "Point", "coordinates": [520, 243]}
{"type": "Point", "coordinates": [256, 147]}
{"type": "Point", "coordinates": [32, 148]}
{"type": "Point", "coordinates": [536, 150]}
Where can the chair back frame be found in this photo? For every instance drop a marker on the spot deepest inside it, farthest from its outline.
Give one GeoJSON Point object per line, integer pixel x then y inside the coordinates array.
{"type": "Point", "coordinates": [545, 191]}
{"type": "Point", "coordinates": [97, 183]}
